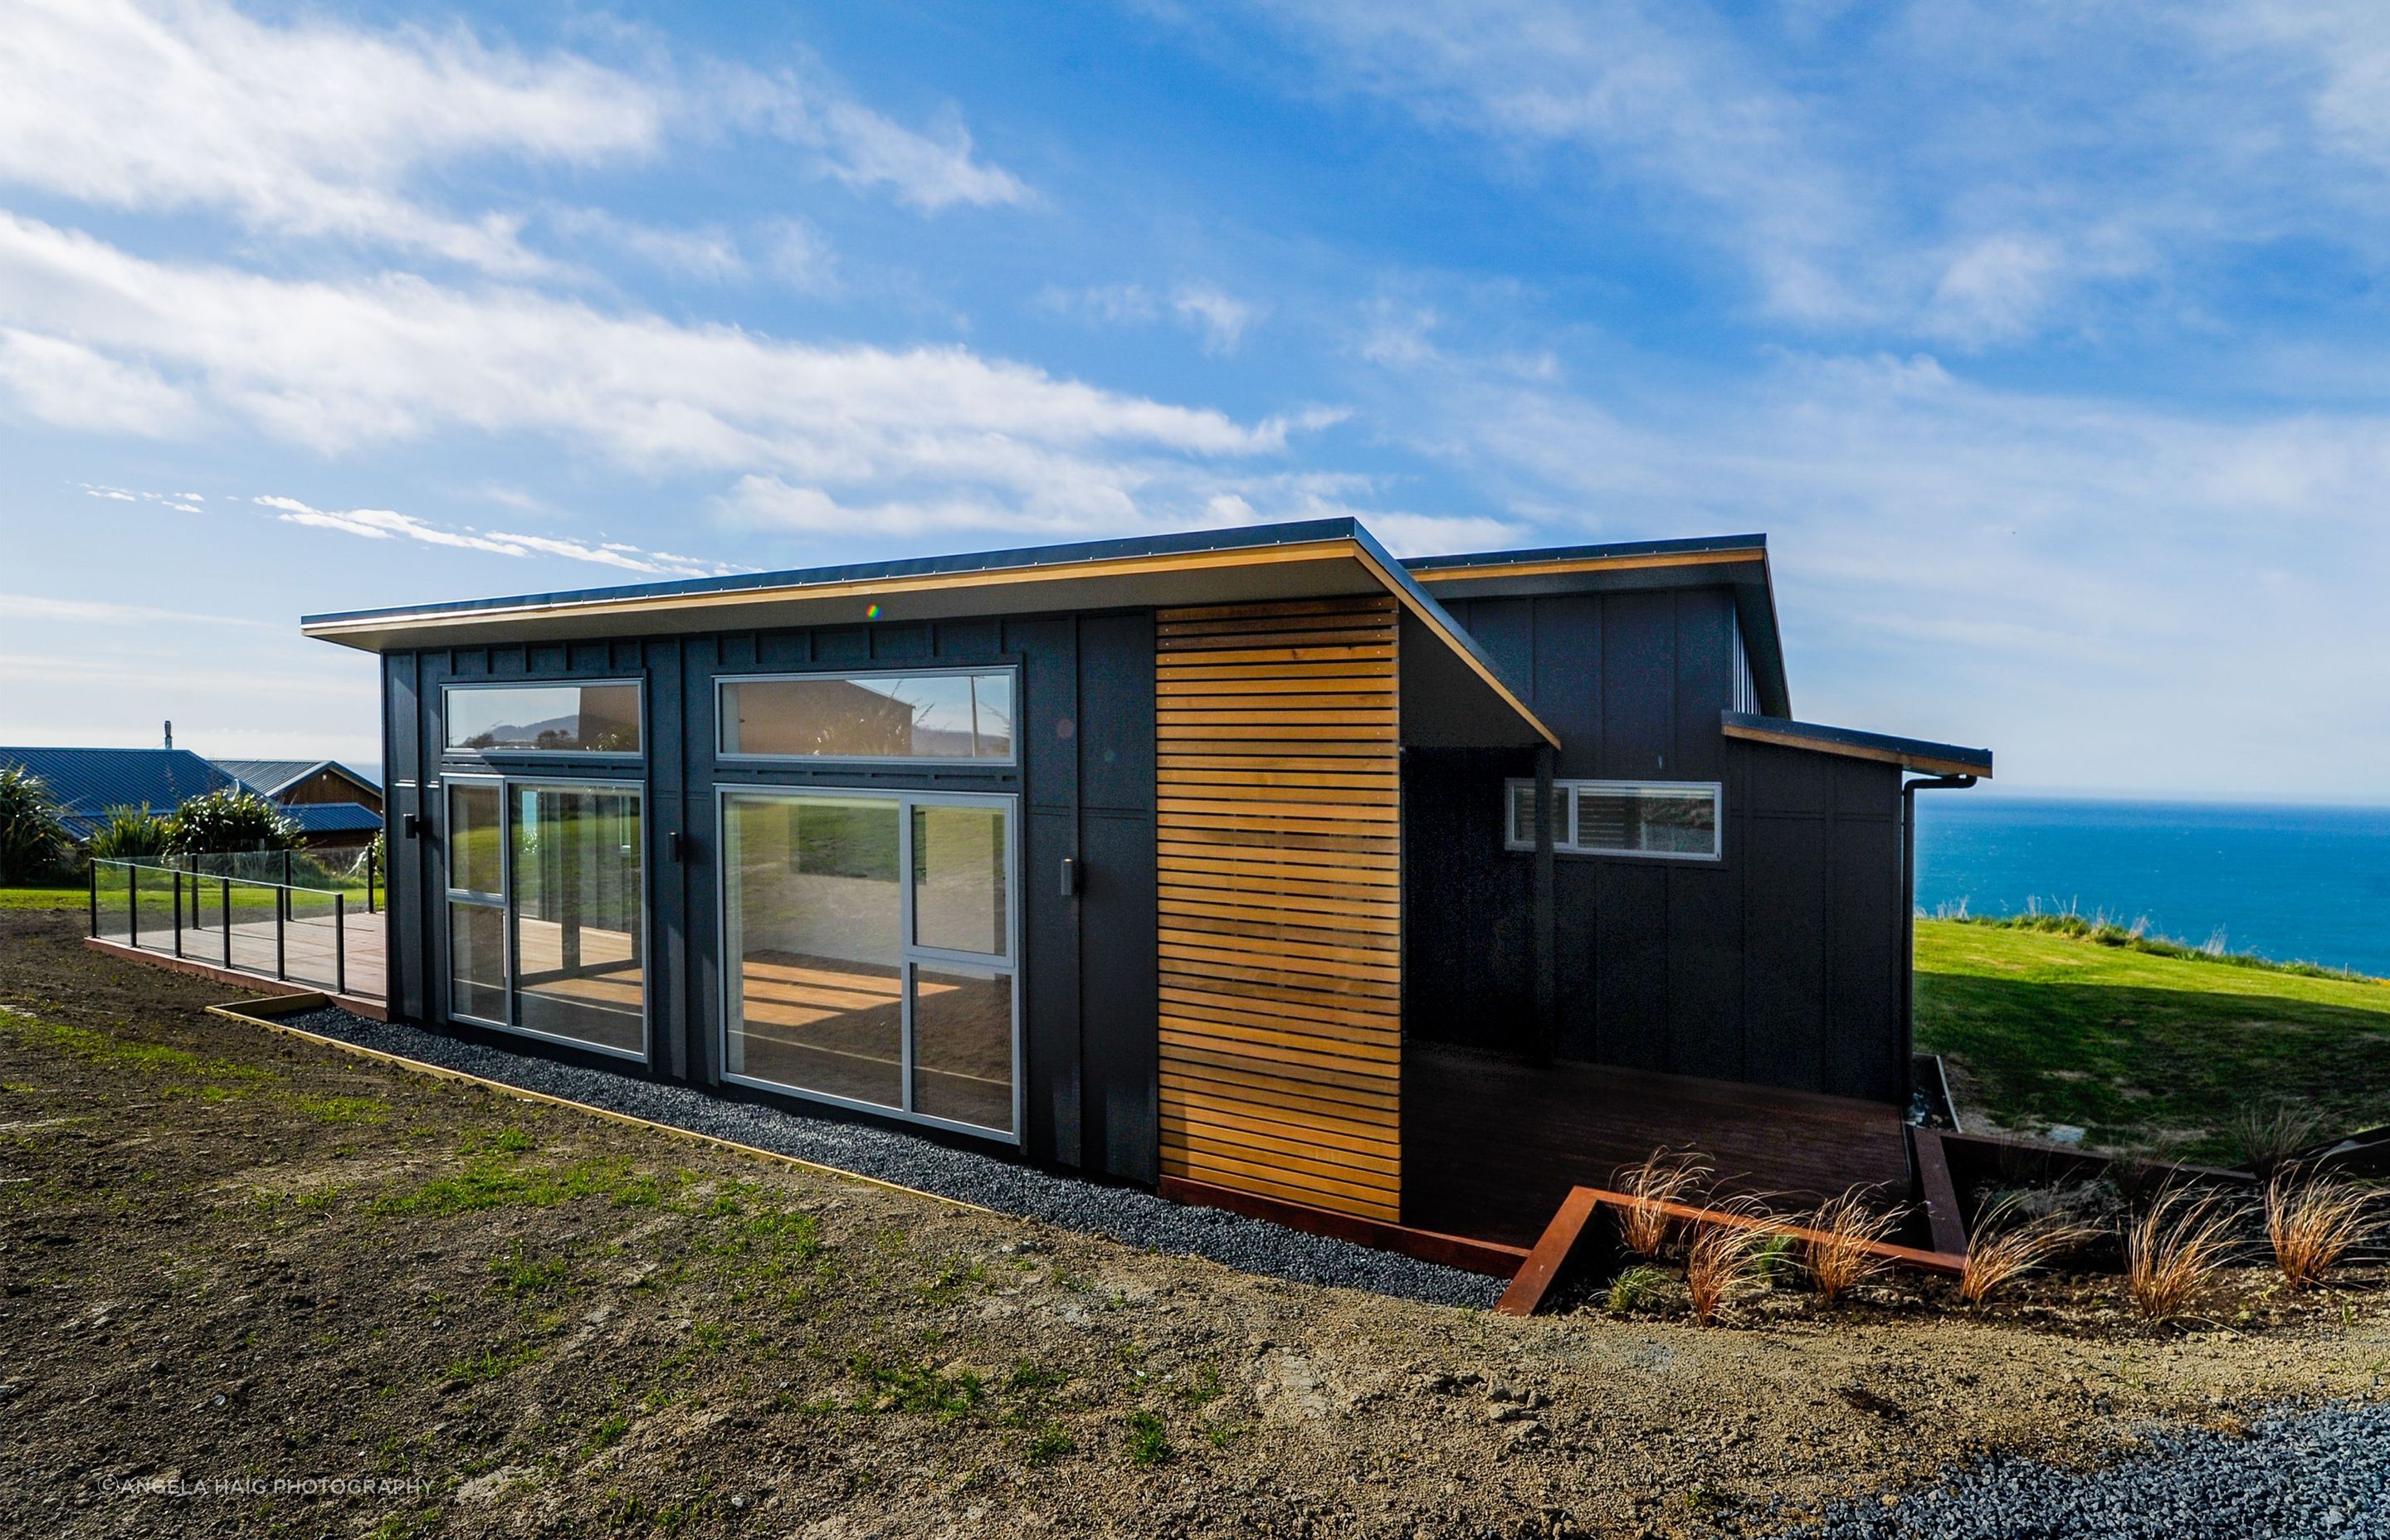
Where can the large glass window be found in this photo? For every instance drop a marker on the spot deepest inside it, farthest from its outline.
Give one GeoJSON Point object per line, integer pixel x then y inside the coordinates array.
{"type": "Point", "coordinates": [541, 719]}
{"type": "Point", "coordinates": [870, 716]}
{"type": "Point", "coordinates": [580, 969]}
{"type": "Point", "coordinates": [547, 916]}
{"type": "Point", "coordinates": [872, 936]}
{"type": "Point", "coordinates": [1651, 818]}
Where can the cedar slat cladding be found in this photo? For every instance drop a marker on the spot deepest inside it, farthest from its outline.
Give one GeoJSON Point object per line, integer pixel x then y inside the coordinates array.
{"type": "Point", "coordinates": [1281, 848]}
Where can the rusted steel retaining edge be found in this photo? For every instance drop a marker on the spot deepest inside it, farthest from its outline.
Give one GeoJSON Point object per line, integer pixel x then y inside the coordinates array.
{"type": "Point", "coordinates": [1565, 1238]}
{"type": "Point", "coordinates": [260, 1013]}
{"type": "Point", "coordinates": [1486, 1257]}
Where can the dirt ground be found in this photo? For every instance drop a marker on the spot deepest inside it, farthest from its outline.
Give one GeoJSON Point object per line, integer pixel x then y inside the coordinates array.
{"type": "Point", "coordinates": [256, 1287]}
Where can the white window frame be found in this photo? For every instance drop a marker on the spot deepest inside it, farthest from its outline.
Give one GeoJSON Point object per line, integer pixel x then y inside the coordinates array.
{"type": "Point", "coordinates": [912, 952]}
{"type": "Point", "coordinates": [503, 902]}
{"type": "Point", "coordinates": [449, 688]}
{"type": "Point", "coordinates": [722, 682]}
{"type": "Point", "coordinates": [1569, 846]}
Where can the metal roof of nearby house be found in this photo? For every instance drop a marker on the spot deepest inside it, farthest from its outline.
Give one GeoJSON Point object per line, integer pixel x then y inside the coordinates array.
{"type": "Point", "coordinates": [272, 776]}
{"type": "Point", "coordinates": [88, 782]}
{"type": "Point", "coordinates": [1246, 564]}
{"type": "Point", "coordinates": [1910, 753]}
{"type": "Point", "coordinates": [319, 818]}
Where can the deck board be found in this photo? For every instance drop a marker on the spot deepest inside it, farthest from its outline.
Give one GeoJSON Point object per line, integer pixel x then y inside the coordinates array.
{"type": "Point", "coordinates": [1491, 1146]}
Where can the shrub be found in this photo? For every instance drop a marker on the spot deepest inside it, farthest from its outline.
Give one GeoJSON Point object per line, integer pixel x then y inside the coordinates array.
{"type": "Point", "coordinates": [1668, 1176]}
{"type": "Point", "coordinates": [1842, 1254]}
{"type": "Point", "coordinates": [2174, 1252]}
{"type": "Point", "coordinates": [1636, 1288]}
{"type": "Point", "coordinates": [131, 834]}
{"type": "Point", "coordinates": [232, 818]}
{"type": "Point", "coordinates": [2002, 1250]}
{"type": "Point", "coordinates": [1722, 1262]}
{"type": "Point", "coordinates": [2313, 1223]}
{"type": "Point", "coordinates": [33, 841]}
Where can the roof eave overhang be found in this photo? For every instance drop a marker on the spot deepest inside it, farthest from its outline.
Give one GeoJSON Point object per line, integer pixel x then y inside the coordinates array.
{"type": "Point", "coordinates": [1342, 560]}
{"type": "Point", "coordinates": [1927, 758]}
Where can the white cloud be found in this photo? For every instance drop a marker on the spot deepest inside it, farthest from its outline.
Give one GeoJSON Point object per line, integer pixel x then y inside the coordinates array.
{"type": "Point", "coordinates": [1221, 318]}
{"type": "Point", "coordinates": [385, 524]}
{"type": "Point", "coordinates": [46, 608]}
{"type": "Point", "coordinates": [710, 255]}
{"type": "Point", "coordinates": [336, 365]}
{"type": "Point", "coordinates": [317, 128]}
{"type": "Point", "coordinates": [63, 383]}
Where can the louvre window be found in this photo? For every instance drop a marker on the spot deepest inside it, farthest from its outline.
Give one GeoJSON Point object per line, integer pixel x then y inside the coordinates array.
{"type": "Point", "coordinates": [1644, 818]}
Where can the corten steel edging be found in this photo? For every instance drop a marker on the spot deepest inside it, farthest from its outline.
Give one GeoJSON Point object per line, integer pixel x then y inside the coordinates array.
{"type": "Point", "coordinates": [1937, 1194]}
{"type": "Point", "coordinates": [261, 1013]}
{"type": "Point", "coordinates": [1566, 1236]}
{"type": "Point", "coordinates": [1487, 1257]}
{"type": "Point", "coordinates": [360, 1004]}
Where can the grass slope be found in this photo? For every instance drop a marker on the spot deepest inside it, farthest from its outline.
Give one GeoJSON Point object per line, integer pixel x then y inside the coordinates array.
{"type": "Point", "coordinates": [2145, 1051]}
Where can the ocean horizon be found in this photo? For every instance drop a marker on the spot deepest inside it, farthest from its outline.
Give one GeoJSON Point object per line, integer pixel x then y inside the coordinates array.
{"type": "Point", "coordinates": [2290, 883]}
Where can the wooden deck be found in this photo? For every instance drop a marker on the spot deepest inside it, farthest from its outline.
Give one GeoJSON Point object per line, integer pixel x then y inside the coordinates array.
{"type": "Point", "coordinates": [1492, 1145]}
{"type": "Point", "coordinates": [309, 956]}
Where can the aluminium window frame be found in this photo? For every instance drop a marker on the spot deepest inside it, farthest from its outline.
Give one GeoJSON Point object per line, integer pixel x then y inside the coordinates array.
{"type": "Point", "coordinates": [911, 954]}
{"type": "Point", "coordinates": [1716, 789]}
{"type": "Point", "coordinates": [604, 758]}
{"type": "Point", "coordinates": [928, 764]}
{"type": "Point", "coordinates": [506, 906]}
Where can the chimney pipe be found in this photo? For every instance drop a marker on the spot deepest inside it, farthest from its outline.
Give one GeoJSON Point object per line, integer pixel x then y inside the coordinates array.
{"type": "Point", "coordinates": [169, 732]}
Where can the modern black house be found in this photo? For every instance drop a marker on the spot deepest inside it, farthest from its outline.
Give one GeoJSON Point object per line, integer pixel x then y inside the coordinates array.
{"type": "Point", "coordinates": [1253, 863]}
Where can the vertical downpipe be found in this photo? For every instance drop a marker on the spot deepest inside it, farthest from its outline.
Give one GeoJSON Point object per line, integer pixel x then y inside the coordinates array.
{"type": "Point", "coordinates": [1909, 908]}
{"type": "Point", "coordinates": [1547, 914]}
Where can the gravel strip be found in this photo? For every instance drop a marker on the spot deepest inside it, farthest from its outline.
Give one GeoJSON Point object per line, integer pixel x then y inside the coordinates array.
{"type": "Point", "coordinates": [2321, 1473]}
{"type": "Point", "coordinates": [1126, 1214]}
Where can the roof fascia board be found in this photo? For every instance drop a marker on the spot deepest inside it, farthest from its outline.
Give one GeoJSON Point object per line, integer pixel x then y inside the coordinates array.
{"type": "Point", "coordinates": [1940, 759]}
{"type": "Point", "coordinates": [1399, 582]}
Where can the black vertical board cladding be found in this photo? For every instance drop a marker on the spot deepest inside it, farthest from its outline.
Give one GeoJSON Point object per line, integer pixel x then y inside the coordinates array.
{"type": "Point", "coordinates": [1119, 1015]}
{"type": "Point", "coordinates": [669, 1026]}
{"type": "Point", "coordinates": [1704, 900]}
{"type": "Point", "coordinates": [1630, 963]}
{"type": "Point", "coordinates": [1785, 897]}
{"type": "Point", "coordinates": [1863, 902]}
{"type": "Point", "coordinates": [403, 909]}
{"type": "Point", "coordinates": [1638, 687]}
{"type": "Point", "coordinates": [1049, 921]}
{"type": "Point", "coordinates": [695, 951]}
{"type": "Point", "coordinates": [1778, 962]}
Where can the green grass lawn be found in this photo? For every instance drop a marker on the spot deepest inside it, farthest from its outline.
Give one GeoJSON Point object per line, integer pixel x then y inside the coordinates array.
{"type": "Point", "coordinates": [2145, 1052]}
{"type": "Point", "coordinates": [44, 898]}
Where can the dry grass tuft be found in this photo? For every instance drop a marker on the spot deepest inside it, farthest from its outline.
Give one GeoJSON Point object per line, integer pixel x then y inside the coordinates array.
{"type": "Point", "coordinates": [2313, 1222]}
{"type": "Point", "coordinates": [2174, 1252]}
{"type": "Point", "coordinates": [1722, 1260]}
{"type": "Point", "coordinates": [1668, 1176]}
{"type": "Point", "coordinates": [2001, 1250]}
{"type": "Point", "coordinates": [1842, 1255]}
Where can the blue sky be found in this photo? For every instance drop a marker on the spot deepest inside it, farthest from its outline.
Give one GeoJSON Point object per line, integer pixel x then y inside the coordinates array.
{"type": "Point", "coordinates": [2045, 341]}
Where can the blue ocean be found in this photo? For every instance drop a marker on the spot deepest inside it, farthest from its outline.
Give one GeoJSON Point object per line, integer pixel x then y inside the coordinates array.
{"type": "Point", "coordinates": [2309, 884]}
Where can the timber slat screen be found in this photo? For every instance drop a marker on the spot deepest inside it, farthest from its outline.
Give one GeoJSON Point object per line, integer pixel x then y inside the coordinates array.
{"type": "Point", "coordinates": [1279, 843]}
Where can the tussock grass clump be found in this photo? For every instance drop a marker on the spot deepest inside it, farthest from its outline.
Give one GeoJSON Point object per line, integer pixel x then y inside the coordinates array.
{"type": "Point", "coordinates": [1637, 1289]}
{"type": "Point", "coordinates": [2003, 1249]}
{"type": "Point", "coordinates": [2271, 1136]}
{"type": "Point", "coordinates": [1668, 1177]}
{"type": "Point", "coordinates": [1722, 1260]}
{"type": "Point", "coordinates": [2313, 1222]}
{"type": "Point", "coordinates": [1843, 1255]}
{"type": "Point", "coordinates": [2176, 1250]}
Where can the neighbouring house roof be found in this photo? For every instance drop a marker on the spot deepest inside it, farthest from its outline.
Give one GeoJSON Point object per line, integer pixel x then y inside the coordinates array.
{"type": "Point", "coordinates": [316, 819]}
{"type": "Point", "coordinates": [1249, 564]}
{"type": "Point", "coordinates": [1910, 753]}
{"type": "Point", "coordinates": [271, 777]}
{"type": "Point", "coordinates": [88, 782]}
{"type": "Point", "coordinates": [1735, 562]}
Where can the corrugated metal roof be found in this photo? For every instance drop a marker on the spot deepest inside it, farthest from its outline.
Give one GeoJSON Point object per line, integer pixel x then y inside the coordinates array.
{"type": "Point", "coordinates": [268, 776]}
{"type": "Point", "coordinates": [88, 782]}
{"type": "Point", "coordinates": [334, 817]}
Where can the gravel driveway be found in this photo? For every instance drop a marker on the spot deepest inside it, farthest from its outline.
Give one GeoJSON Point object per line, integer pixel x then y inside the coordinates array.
{"type": "Point", "coordinates": [2312, 1474]}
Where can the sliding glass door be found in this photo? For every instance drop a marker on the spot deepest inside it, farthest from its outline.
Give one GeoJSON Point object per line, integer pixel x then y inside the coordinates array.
{"type": "Point", "coordinates": [546, 910]}
{"type": "Point", "coordinates": [872, 935]}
